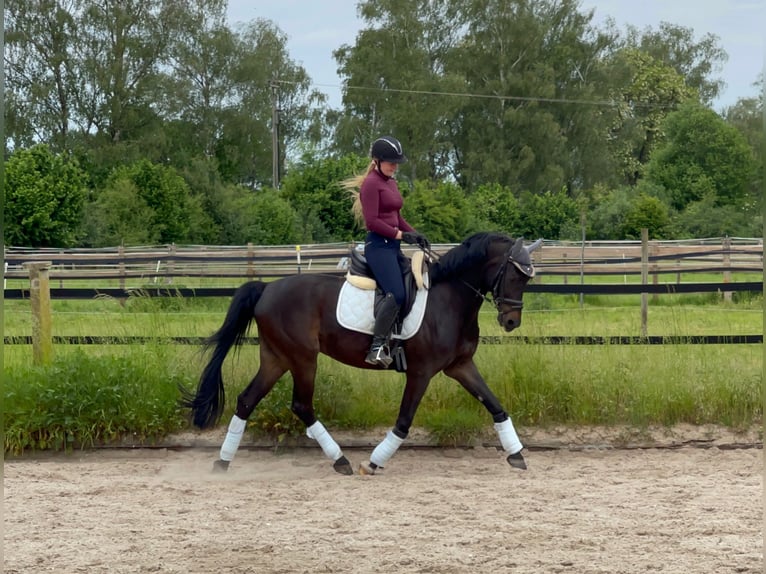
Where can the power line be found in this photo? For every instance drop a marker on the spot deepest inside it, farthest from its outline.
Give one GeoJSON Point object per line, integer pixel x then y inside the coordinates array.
{"type": "Point", "coordinates": [608, 103]}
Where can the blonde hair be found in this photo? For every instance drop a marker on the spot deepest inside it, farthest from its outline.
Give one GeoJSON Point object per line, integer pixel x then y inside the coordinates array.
{"type": "Point", "coordinates": [352, 185]}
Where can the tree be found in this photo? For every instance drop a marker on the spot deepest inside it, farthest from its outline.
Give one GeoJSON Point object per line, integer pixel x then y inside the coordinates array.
{"type": "Point", "coordinates": [747, 116]}
{"type": "Point", "coordinates": [264, 77]}
{"type": "Point", "coordinates": [495, 208]}
{"type": "Point", "coordinates": [164, 207]}
{"type": "Point", "coordinates": [703, 156]}
{"type": "Point", "coordinates": [646, 91]}
{"type": "Point", "coordinates": [44, 198]}
{"type": "Point", "coordinates": [396, 66]}
{"type": "Point", "coordinates": [313, 188]}
{"type": "Point", "coordinates": [40, 39]}
{"type": "Point", "coordinates": [547, 214]}
{"type": "Point", "coordinates": [438, 210]}
{"type": "Point", "coordinates": [704, 218]}
{"type": "Point", "coordinates": [694, 60]}
{"type": "Point", "coordinates": [645, 212]}
{"type": "Point", "coordinates": [119, 217]}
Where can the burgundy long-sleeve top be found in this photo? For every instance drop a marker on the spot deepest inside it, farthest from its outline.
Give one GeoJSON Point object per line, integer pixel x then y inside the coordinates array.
{"type": "Point", "coordinates": [381, 205]}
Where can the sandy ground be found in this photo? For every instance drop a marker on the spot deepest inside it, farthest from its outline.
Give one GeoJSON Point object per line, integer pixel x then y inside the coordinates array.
{"type": "Point", "coordinates": [585, 510]}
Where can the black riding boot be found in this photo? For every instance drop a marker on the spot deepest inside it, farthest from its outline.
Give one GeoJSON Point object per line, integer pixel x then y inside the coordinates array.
{"type": "Point", "coordinates": [384, 322]}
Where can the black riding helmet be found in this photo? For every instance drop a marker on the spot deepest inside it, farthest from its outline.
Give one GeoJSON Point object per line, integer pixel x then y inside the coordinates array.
{"type": "Point", "coordinates": [387, 148]}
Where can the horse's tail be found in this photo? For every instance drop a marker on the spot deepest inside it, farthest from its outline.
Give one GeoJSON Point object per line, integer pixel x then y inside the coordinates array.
{"type": "Point", "coordinates": [208, 403]}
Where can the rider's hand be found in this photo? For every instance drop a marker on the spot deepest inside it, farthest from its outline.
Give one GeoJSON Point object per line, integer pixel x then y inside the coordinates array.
{"type": "Point", "coordinates": [415, 238]}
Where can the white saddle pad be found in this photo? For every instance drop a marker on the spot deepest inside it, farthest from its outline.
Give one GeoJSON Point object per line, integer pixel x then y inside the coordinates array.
{"type": "Point", "coordinates": [355, 311]}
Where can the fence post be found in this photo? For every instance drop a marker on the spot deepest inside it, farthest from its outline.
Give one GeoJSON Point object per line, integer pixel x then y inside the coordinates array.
{"type": "Point", "coordinates": [566, 267]}
{"type": "Point", "coordinates": [40, 297]}
{"type": "Point", "coordinates": [653, 251]}
{"type": "Point", "coordinates": [726, 264]}
{"type": "Point", "coordinates": [121, 265]}
{"type": "Point", "coordinates": [171, 268]}
{"type": "Point", "coordinates": [250, 261]}
{"type": "Point", "coordinates": [644, 279]}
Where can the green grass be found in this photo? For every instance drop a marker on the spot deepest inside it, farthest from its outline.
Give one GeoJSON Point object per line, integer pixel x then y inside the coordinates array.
{"type": "Point", "coordinates": [104, 393]}
{"type": "Point", "coordinates": [83, 400]}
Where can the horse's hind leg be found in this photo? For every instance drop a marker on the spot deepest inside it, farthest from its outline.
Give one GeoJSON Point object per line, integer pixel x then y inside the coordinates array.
{"type": "Point", "coordinates": [268, 374]}
{"type": "Point", "coordinates": [303, 407]}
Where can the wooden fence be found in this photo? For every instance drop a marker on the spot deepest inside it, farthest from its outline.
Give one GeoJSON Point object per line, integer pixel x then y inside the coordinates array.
{"type": "Point", "coordinates": [158, 267]}
{"type": "Point", "coordinates": [135, 266]}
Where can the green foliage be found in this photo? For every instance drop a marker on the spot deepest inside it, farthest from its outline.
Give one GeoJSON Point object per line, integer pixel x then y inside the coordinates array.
{"type": "Point", "coordinates": [83, 400]}
{"type": "Point", "coordinates": [545, 215]}
{"type": "Point", "coordinates": [495, 208]}
{"type": "Point", "coordinates": [647, 90]}
{"type": "Point", "coordinates": [676, 46]}
{"type": "Point", "coordinates": [702, 156]}
{"type": "Point", "coordinates": [438, 210]}
{"type": "Point", "coordinates": [622, 213]}
{"type": "Point", "coordinates": [44, 198]}
{"type": "Point", "coordinates": [103, 394]}
{"type": "Point", "coordinates": [645, 212]}
{"type": "Point", "coordinates": [160, 197]}
{"type": "Point", "coordinates": [313, 189]}
{"type": "Point", "coordinates": [705, 218]}
{"type": "Point", "coordinates": [172, 84]}
{"type": "Point", "coordinates": [119, 216]}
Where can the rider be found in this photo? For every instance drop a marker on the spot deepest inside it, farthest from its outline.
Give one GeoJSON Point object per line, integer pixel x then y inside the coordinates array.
{"type": "Point", "coordinates": [380, 203]}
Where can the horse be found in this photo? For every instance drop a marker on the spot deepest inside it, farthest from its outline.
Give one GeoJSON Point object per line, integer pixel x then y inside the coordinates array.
{"type": "Point", "coordinates": [296, 320]}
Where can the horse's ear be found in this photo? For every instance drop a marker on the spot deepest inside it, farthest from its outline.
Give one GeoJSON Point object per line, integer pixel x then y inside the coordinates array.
{"type": "Point", "coordinates": [535, 245]}
{"type": "Point", "coordinates": [517, 248]}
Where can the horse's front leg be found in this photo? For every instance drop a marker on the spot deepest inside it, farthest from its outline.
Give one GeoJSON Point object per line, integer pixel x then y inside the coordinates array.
{"type": "Point", "coordinates": [414, 390]}
{"type": "Point", "coordinates": [466, 373]}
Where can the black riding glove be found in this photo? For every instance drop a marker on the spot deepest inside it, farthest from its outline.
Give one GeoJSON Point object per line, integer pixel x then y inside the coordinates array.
{"type": "Point", "coordinates": [415, 238]}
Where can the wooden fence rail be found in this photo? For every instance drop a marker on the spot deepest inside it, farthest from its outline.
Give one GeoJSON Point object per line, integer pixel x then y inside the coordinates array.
{"type": "Point", "coordinates": [645, 258]}
{"type": "Point", "coordinates": [164, 263]}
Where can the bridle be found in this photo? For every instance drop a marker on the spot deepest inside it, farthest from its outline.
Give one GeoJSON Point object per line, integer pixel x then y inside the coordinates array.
{"type": "Point", "coordinates": [497, 300]}
{"type": "Point", "coordinates": [524, 266]}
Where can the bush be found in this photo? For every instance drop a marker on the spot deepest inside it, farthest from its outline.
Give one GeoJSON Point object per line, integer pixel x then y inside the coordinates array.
{"type": "Point", "coordinates": [82, 400]}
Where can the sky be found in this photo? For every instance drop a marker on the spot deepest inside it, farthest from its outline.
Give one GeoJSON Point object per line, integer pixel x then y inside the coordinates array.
{"type": "Point", "coordinates": [315, 29]}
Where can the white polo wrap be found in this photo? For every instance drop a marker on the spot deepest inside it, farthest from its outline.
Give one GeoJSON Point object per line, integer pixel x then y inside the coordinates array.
{"type": "Point", "coordinates": [508, 437]}
{"type": "Point", "coordinates": [233, 438]}
{"type": "Point", "coordinates": [386, 449]}
{"type": "Point", "coordinates": [330, 448]}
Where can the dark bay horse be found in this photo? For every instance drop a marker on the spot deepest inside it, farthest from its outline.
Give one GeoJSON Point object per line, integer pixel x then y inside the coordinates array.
{"type": "Point", "coordinates": [296, 319]}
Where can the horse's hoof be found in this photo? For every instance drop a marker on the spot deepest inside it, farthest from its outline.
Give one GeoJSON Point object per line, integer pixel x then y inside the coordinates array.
{"type": "Point", "coordinates": [221, 465]}
{"type": "Point", "coordinates": [516, 460]}
{"type": "Point", "coordinates": [343, 466]}
{"type": "Point", "coordinates": [368, 468]}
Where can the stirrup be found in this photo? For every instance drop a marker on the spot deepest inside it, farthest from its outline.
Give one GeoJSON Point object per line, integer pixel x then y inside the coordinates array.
{"type": "Point", "coordinates": [379, 356]}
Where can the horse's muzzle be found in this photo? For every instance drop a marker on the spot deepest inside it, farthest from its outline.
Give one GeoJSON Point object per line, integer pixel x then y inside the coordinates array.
{"type": "Point", "coordinates": [510, 320]}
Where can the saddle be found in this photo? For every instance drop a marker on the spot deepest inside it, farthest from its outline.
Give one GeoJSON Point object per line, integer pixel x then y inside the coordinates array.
{"type": "Point", "coordinates": [414, 274]}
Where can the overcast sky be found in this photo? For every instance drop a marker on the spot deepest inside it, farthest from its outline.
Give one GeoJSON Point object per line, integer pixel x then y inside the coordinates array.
{"type": "Point", "coordinates": [315, 28]}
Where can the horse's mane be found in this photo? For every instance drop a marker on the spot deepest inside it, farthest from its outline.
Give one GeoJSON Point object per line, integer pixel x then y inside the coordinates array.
{"type": "Point", "coordinates": [470, 251]}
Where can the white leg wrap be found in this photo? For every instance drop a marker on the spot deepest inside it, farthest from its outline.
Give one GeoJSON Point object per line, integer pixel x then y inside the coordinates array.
{"type": "Point", "coordinates": [508, 437]}
{"type": "Point", "coordinates": [386, 449]}
{"type": "Point", "coordinates": [330, 448]}
{"type": "Point", "coordinates": [233, 437]}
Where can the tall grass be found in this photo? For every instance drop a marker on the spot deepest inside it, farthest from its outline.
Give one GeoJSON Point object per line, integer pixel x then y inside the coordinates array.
{"type": "Point", "coordinates": [105, 393]}
{"type": "Point", "coordinates": [85, 399]}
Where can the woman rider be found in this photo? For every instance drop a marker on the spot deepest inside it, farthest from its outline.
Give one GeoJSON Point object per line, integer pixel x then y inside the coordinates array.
{"type": "Point", "coordinates": [380, 204]}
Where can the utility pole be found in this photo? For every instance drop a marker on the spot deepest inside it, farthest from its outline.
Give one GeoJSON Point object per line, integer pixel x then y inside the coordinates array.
{"type": "Point", "coordinates": [274, 133]}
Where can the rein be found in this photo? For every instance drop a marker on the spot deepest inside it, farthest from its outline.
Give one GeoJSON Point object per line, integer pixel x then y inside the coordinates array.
{"type": "Point", "coordinates": [496, 299]}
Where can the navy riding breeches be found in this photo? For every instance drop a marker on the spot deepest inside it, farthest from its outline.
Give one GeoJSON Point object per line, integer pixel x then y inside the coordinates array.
{"type": "Point", "coordinates": [387, 261]}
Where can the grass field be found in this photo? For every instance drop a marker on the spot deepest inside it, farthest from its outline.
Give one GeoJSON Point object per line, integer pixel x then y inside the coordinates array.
{"type": "Point", "coordinates": [98, 393]}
